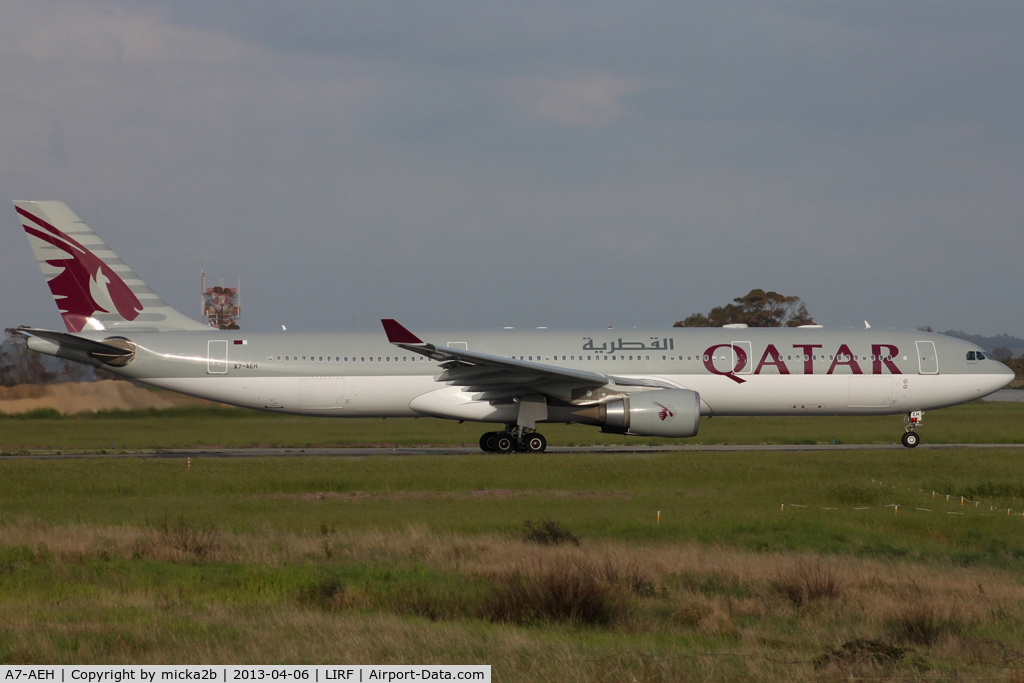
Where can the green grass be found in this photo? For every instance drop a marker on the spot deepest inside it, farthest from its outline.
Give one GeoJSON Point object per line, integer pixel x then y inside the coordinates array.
{"type": "Point", "coordinates": [710, 497]}
{"type": "Point", "coordinates": [995, 422]}
{"type": "Point", "coordinates": [419, 559]}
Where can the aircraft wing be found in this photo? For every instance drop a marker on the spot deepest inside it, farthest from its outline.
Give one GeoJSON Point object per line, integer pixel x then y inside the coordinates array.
{"type": "Point", "coordinates": [497, 377]}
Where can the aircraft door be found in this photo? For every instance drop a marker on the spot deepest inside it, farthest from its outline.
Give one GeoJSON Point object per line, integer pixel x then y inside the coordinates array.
{"type": "Point", "coordinates": [742, 358]}
{"type": "Point", "coordinates": [216, 357]}
{"type": "Point", "coordinates": [927, 360]}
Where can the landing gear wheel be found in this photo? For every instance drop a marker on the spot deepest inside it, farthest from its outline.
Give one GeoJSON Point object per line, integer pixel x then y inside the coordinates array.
{"type": "Point", "coordinates": [535, 443]}
{"type": "Point", "coordinates": [485, 442]}
{"type": "Point", "coordinates": [910, 439]}
{"type": "Point", "coordinates": [504, 443]}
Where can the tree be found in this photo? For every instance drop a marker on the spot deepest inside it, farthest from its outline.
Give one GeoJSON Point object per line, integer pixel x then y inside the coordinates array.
{"type": "Point", "coordinates": [74, 372]}
{"type": "Point", "coordinates": [19, 365]}
{"type": "Point", "coordinates": [757, 309]}
{"type": "Point", "coordinates": [1002, 353]}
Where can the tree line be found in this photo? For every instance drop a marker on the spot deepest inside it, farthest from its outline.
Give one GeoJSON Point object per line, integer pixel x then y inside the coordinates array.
{"type": "Point", "coordinates": [757, 308]}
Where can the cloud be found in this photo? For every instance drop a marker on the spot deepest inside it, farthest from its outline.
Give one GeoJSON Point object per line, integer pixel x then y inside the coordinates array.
{"type": "Point", "coordinates": [428, 159]}
{"type": "Point", "coordinates": [590, 100]}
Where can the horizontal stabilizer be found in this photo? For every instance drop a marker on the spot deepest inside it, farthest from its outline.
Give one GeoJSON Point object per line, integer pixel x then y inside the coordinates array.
{"type": "Point", "coordinates": [102, 351]}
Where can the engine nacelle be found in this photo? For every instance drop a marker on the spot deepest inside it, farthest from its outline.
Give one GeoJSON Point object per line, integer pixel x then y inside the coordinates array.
{"type": "Point", "coordinates": [673, 413]}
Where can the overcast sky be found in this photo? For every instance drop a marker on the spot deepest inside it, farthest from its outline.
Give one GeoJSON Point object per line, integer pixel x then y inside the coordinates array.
{"type": "Point", "coordinates": [570, 164]}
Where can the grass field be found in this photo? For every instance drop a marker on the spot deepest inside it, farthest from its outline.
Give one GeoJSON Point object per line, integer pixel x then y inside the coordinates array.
{"type": "Point", "coordinates": [428, 559]}
{"type": "Point", "coordinates": [997, 422]}
{"type": "Point", "coordinates": [424, 559]}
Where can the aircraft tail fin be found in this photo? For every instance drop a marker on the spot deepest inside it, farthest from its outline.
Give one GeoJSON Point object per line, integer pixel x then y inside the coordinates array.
{"type": "Point", "coordinates": [93, 288]}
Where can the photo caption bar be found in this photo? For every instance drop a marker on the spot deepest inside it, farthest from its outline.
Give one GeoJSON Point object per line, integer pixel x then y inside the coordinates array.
{"type": "Point", "coordinates": [342, 673]}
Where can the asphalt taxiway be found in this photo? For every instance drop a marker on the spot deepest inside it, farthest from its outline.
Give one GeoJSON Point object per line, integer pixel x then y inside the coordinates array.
{"type": "Point", "coordinates": [456, 450]}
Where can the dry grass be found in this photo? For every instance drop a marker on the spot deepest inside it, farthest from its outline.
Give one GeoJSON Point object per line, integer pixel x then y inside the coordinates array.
{"type": "Point", "coordinates": [808, 582]}
{"type": "Point", "coordinates": [571, 591]}
{"type": "Point", "coordinates": [548, 532]}
{"type": "Point", "coordinates": [718, 613]}
{"type": "Point", "coordinates": [923, 623]}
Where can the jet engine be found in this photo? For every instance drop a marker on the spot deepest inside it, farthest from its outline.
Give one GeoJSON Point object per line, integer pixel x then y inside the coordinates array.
{"type": "Point", "coordinates": [673, 413]}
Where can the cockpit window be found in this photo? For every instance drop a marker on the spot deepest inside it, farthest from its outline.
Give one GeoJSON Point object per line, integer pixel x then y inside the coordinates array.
{"type": "Point", "coordinates": [971, 356]}
{"type": "Point", "coordinates": [980, 355]}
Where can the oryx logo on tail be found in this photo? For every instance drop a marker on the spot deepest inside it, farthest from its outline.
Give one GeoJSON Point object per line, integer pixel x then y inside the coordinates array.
{"type": "Point", "coordinates": [85, 284]}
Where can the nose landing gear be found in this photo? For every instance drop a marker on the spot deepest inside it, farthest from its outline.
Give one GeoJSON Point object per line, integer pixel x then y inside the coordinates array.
{"type": "Point", "coordinates": [911, 421]}
{"type": "Point", "coordinates": [514, 439]}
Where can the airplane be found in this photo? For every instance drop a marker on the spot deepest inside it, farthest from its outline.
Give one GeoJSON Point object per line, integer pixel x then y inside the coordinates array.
{"type": "Point", "coordinates": [644, 383]}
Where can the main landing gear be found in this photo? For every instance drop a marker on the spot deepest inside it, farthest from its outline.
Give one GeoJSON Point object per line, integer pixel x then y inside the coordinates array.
{"type": "Point", "coordinates": [513, 439]}
{"type": "Point", "coordinates": [911, 421]}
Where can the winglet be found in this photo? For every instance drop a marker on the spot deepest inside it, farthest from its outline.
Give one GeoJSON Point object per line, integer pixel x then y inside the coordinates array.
{"type": "Point", "coordinates": [398, 334]}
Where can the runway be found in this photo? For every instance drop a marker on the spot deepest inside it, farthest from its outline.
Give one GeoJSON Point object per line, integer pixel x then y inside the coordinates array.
{"type": "Point", "coordinates": [456, 450]}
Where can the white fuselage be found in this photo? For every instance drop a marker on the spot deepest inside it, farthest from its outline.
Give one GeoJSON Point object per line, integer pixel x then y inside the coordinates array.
{"type": "Point", "coordinates": [735, 371]}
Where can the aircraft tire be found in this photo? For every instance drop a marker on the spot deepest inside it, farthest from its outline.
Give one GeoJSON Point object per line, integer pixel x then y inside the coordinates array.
{"type": "Point", "coordinates": [536, 443]}
{"type": "Point", "coordinates": [504, 443]}
{"type": "Point", "coordinates": [910, 439]}
{"type": "Point", "coordinates": [485, 442]}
